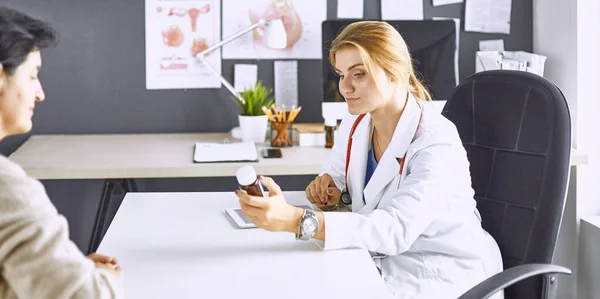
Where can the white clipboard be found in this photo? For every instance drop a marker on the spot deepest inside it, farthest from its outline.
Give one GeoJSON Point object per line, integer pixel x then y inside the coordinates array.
{"type": "Point", "coordinates": [242, 222]}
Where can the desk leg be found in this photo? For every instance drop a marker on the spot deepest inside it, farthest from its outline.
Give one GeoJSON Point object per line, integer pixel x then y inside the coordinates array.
{"type": "Point", "coordinates": [107, 192]}
{"type": "Point", "coordinates": [127, 185]}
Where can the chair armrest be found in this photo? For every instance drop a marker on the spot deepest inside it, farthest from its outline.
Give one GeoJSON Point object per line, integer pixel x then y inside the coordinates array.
{"type": "Point", "coordinates": [508, 277]}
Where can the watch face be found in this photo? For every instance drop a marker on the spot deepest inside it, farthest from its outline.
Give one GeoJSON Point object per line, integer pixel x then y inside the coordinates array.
{"type": "Point", "coordinates": [309, 226]}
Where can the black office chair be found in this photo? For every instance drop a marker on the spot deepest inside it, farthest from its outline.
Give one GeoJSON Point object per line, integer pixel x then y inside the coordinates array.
{"type": "Point", "coordinates": [516, 129]}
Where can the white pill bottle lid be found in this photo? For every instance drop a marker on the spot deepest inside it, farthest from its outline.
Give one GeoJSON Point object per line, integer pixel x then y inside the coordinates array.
{"type": "Point", "coordinates": [246, 175]}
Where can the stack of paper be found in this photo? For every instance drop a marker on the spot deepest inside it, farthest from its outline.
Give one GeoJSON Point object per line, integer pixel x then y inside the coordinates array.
{"type": "Point", "coordinates": [225, 152]}
{"type": "Point", "coordinates": [510, 60]}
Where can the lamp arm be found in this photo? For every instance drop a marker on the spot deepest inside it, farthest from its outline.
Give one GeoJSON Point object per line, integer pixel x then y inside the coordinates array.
{"type": "Point", "coordinates": [202, 57]}
{"type": "Point", "coordinates": [232, 38]}
{"type": "Point", "coordinates": [223, 80]}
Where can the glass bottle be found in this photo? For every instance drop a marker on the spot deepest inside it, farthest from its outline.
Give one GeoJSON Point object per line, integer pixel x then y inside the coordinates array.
{"type": "Point", "coordinates": [249, 182]}
{"type": "Point", "coordinates": [330, 126]}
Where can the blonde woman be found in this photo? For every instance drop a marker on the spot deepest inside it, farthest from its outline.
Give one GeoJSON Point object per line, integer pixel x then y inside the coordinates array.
{"type": "Point", "coordinates": [400, 168]}
{"type": "Point", "coordinates": [37, 259]}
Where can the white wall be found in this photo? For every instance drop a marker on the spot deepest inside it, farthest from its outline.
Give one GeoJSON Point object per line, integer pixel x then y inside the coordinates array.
{"type": "Point", "coordinates": [568, 32]}
{"type": "Point", "coordinates": [555, 36]}
{"type": "Point", "coordinates": [588, 122]}
{"type": "Point", "coordinates": [588, 97]}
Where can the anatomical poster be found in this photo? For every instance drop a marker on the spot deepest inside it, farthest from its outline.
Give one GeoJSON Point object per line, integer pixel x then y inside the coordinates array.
{"type": "Point", "coordinates": [176, 31]}
{"type": "Point", "coordinates": [301, 18]}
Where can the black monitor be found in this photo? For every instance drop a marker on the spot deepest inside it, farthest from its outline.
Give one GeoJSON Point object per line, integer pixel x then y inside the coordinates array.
{"type": "Point", "coordinates": [432, 45]}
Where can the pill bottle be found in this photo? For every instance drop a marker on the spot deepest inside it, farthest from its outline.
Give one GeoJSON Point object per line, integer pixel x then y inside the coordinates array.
{"type": "Point", "coordinates": [249, 182]}
{"type": "Point", "coordinates": [330, 126]}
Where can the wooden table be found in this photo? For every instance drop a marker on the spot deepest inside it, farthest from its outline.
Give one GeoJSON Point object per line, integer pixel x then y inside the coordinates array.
{"type": "Point", "coordinates": [120, 158]}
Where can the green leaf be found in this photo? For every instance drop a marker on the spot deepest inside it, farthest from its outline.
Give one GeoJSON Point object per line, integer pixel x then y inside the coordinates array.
{"type": "Point", "coordinates": [255, 98]}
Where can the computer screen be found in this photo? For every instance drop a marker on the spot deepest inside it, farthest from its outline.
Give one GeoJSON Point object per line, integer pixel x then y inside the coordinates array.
{"type": "Point", "coordinates": [432, 45]}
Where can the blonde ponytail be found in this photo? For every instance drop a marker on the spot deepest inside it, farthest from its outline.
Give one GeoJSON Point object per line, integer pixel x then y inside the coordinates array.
{"type": "Point", "coordinates": [418, 89]}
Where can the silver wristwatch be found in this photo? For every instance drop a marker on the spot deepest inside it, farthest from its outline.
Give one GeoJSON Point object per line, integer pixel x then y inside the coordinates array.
{"type": "Point", "coordinates": [308, 225]}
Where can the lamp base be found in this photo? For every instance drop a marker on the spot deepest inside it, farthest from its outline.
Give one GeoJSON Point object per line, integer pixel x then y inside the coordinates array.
{"type": "Point", "coordinates": [236, 133]}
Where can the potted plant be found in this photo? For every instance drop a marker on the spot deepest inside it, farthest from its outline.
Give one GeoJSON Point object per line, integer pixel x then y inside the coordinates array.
{"type": "Point", "coordinates": [253, 121]}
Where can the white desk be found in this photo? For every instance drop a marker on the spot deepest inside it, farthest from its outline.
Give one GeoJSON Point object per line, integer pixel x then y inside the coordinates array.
{"type": "Point", "coordinates": [124, 156]}
{"type": "Point", "coordinates": [182, 245]}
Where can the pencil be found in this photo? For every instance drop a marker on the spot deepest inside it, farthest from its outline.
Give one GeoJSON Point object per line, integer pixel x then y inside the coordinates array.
{"type": "Point", "coordinates": [283, 116]}
{"type": "Point", "coordinates": [276, 113]}
{"type": "Point", "coordinates": [291, 110]}
{"type": "Point", "coordinates": [268, 113]}
{"type": "Point", "coordinates": [292, 117]}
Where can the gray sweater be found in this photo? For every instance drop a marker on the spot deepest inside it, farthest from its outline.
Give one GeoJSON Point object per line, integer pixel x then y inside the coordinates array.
{"type": "Point", "coordinates": [37, 258]}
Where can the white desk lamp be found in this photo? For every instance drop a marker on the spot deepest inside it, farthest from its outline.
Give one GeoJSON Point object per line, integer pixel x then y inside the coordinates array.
{"type": "Point", "coordinates": [273, 37]}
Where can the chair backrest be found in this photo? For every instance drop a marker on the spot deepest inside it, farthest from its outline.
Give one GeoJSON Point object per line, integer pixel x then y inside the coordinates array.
{"type": "Point", "coordinates": [516, 129]}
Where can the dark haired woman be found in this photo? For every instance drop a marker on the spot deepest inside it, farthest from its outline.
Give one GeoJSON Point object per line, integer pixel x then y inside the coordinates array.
{"type": "Point", "coordinates": [37, 259]}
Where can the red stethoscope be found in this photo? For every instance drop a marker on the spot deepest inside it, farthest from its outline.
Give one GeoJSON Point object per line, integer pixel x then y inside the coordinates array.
{"type": "Point", "coordinates": [346, 198]}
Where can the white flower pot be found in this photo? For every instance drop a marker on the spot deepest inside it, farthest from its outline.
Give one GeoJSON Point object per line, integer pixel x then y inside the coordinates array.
{"type": "Point", "coordinates": [254, 128]}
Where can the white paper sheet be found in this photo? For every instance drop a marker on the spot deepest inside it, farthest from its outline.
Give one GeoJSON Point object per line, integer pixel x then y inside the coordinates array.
{"type": "Point", "coordinates": [175, 32]}
{"type": "Point", "coordinates": [516, 65]}
{"type": "Point", "coordinates": [286, 83]}
{"type": "Point", "coordinates": [489, 16]}
{"type": "Point", "coordinates": [456, 65]}
{"type": "Point", "coordinates": [350, 9]}
{"type": "Point", "coordinates": [445, 2]}
{"type": "Point", "coordinates": [491, 45]}
{"type": "Point", "coordinates": [245, 76]}
{"type": "Point", "coordinates": [487, 60]}
{"type": "Point", "coordinates": [302, 20]}
{"type": "Point", "coordinates": [401, 9]}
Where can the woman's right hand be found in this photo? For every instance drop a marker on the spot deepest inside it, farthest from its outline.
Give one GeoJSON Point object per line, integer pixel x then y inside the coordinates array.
{"type": "Point", "coordinates": [323, 192]}
{"type": "Point", "coordinates": [107, 263]}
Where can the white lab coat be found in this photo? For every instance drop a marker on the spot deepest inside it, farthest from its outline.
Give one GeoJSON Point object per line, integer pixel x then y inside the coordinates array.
{"type": "Point", "coordinates": [424, 220]}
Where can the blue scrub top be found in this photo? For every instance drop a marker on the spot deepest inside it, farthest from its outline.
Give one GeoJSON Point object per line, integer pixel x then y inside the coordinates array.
{"type": "Point", "coordinates": [371, 166]}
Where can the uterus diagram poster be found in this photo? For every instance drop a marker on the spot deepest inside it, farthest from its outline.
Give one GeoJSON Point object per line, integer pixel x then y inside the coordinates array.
{"type": "Point", "coordinates": [301, 19]}
{"type": "Point", "coordinates": [176, 31]}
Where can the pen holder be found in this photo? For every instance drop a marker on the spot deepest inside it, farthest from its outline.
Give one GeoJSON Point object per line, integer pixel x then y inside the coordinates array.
{"type": "Point", "coordinates": [281, 134]}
